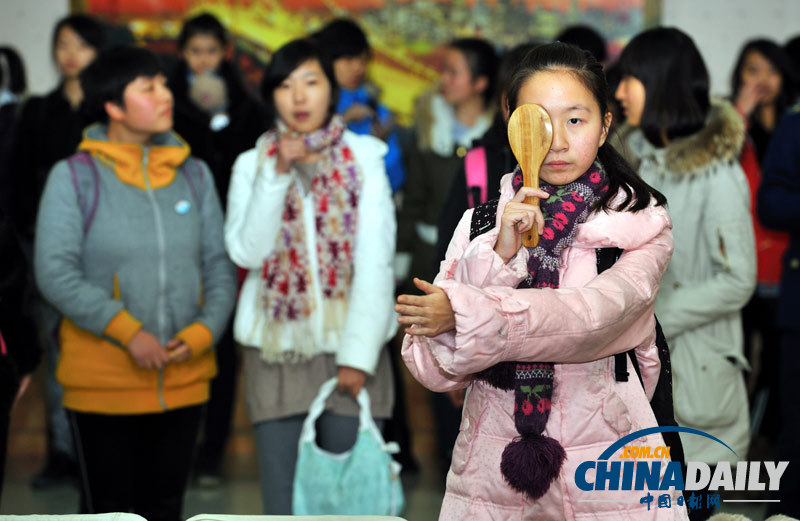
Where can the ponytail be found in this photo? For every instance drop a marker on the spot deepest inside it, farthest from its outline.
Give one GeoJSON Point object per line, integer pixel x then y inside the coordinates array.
{"type": "Point", "coordinates": [622, 177]}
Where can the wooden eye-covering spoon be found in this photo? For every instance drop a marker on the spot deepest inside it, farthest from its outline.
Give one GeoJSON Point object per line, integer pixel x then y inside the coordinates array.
{"type": "Point", "coordinates": [530, 134]}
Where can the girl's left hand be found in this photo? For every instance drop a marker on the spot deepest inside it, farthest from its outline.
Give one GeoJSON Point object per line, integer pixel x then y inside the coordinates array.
{"type": "Point", "coordinates": [351, 380]}
{"type": "Point", "coordinates": [178, 351]}
{"type": "Point", "coordinates": [428, 315]}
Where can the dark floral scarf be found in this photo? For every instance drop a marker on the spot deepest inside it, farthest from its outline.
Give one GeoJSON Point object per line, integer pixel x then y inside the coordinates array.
{"type": "Point", "coordinates": [287, 279]}
{"type": "Point", "coordinates": [533, 461]}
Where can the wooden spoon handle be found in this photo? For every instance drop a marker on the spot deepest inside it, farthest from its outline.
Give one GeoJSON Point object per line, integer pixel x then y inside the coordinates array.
{"type": "Point", "coordinates": [530, 133]}
{"type": "Point", "coordinates": [531, 238]}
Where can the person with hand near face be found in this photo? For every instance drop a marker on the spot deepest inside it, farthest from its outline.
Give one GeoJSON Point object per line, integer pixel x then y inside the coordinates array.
{"type": "Point", "coordinates": [310, 216]}
{"type": "Point", "coordinates": [763, 87]}
{"type": "Point", "coordinates": [532, 332]}
{"type": "Point", "coordinates": [144, 285]}
{"type": "Point", "coordinates": [688, 147]}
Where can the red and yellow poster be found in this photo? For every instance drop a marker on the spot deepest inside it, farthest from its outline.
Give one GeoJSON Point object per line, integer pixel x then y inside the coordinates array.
{"type": "Point", "coordinates": [405, 35]}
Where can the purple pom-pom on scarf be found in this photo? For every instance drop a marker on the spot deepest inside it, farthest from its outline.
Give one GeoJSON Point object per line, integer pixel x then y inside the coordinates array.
{"type": "Point", "coordinates": [531, 463]}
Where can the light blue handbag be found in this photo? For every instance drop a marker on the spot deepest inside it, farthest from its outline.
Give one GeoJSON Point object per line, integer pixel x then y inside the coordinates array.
{"type": "Point", "coordinates": [362, 481]}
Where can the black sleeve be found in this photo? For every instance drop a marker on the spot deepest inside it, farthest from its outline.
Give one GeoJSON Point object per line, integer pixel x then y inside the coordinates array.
{"type": "Point", "coordinates": [17, 328]}
{"type": "Point", "coordinates": [23, 169]}
{"type": "Point", "coordinates": [779, 194]}
{"type": "Point", "coordinates": [454, 207]}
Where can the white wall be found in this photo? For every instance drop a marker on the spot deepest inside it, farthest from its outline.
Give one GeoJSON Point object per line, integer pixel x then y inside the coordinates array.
{"type": "Point", "coordinates": [720, 28]}
{"type": "Point", "coordinates": [26, 26]}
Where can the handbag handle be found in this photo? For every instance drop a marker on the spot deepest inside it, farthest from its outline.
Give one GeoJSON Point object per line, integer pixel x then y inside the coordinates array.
{"type": "Point", "coordinates": [365, 421]}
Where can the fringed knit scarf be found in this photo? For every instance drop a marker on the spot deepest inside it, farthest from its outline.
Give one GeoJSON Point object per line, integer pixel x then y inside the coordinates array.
{"type": "Point", "coordinates": [287, 279]}
{"type": "Point", "coordinates": [532, 461]}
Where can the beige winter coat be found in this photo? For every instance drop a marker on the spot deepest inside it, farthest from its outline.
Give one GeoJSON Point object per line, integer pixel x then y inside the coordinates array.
{"type": "Point", "coordinates": [710, 278]}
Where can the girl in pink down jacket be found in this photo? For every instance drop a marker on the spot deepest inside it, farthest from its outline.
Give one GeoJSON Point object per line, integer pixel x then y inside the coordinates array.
{"type": "Point", "coordinates": [484, 312]}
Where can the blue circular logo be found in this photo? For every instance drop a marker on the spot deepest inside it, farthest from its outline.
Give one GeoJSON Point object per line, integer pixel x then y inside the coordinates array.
{"type": "Point", "coordinates": [182, 207]}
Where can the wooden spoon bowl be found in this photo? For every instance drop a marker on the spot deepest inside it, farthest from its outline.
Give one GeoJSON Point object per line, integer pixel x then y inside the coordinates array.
{"type": "Point", "coordinates": [530, 134]}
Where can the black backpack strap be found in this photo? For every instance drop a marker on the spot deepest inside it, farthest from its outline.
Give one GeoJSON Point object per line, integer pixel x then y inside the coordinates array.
{"type": "Point", "coordinates": [606, 257]}
{"type": "Point", "coordinates": [662, 402]}
{"type": "Point", "coordinates": [484, 218]}
{"type": "Point", "coordinates": [635, 363]}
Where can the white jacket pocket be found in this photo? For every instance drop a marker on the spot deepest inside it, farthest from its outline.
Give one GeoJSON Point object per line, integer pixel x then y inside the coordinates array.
{"type": "Point", "coordinates": [707, 387]}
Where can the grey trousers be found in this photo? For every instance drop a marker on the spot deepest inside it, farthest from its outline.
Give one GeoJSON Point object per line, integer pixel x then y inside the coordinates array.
{"type": "Point", "coordinates": [60, 439]}
{"type": "Point", "coordinates": [276, 441]}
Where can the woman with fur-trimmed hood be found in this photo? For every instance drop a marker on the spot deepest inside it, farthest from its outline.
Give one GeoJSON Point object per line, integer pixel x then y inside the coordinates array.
{"type": "Point", "coordinates": [688, 148]}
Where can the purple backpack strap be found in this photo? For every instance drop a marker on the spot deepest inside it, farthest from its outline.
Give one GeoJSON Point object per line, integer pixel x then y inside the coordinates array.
{"type": "Point", "coordinates": [475, 169]}
{"type": "Point", "coordinates": [184, 168]}
{"type": "Point", "coordinates": [88, 211]}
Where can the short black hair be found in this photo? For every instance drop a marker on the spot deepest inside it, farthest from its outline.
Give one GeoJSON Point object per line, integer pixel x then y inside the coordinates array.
{"type": "Point", "coordinates": [206, 24]}
{"type": "Point", "coordinates": [12, 71]}
{"type": "Point", "coordinates": [675, 79]}
{"type": "Point", "coordinates": [778, 58]}
{"type": "Point", "coordinates": [482, 61]}
{"type": "Point", "coordinates": [91, 31]}
{"type": "Point", "coordinates": [342, 38]}
{"type": "Point", "coordinates": [106, 78]}
{"type": "Point", "coordinates": [586, 38]}
{"type": "Point", "coordinates": [558, 56]}
{"type": "Point", "coordinates": [285, 60]}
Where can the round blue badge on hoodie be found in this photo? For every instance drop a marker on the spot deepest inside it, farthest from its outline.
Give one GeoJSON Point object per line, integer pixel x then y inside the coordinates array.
{"type": "Point", "coordinates": [182, 207]}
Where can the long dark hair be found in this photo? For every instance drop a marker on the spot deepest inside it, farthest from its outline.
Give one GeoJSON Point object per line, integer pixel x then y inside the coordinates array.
{"type": "Point", "coordinates": [287, 59]}
{"type": "Point", "coordinates": [675, 80]}
{"type": "Point", "coordinates": [780, 60]}
{"type": "Point", "coordinates": [559, 56]}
